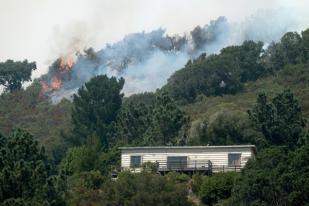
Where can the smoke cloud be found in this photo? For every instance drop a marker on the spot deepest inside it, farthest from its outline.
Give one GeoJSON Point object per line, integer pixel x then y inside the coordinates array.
{"type": "Point", "coordinates": [147, 59]}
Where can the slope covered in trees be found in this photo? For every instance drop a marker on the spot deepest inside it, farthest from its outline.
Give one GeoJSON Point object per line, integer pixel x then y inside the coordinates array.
{"type": "Point", "coordinates": [228, 71]}
{"type": "Point", "coordinates": [244, 95]}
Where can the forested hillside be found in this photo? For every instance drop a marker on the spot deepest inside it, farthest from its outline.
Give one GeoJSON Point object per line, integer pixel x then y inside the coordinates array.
{"type": "Point", "coordinates": [246, 94]}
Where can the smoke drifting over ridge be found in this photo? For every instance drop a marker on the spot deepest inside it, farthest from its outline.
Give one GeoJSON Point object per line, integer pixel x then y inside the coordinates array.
{"type": "Point", "coordinates": [147, 59]}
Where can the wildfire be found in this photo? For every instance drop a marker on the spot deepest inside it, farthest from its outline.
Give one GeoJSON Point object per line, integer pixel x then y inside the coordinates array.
{"type": "Point", "coordinates": [44, 87]}
{"type": "Point", "coordinates": [55, 82]}
{"type": "Point", "coordinates": [66, 63]}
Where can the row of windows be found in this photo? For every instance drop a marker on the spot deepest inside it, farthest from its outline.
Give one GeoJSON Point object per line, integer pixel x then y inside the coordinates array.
{"type": "Point", "coordinates": [234, 159]}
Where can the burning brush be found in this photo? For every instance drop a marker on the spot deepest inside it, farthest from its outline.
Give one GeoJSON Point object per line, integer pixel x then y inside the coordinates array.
{"type": "Point", "coordinates": [58, 72]}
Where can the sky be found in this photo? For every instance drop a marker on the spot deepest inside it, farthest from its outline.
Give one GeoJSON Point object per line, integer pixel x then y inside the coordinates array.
{"type": "Point", "coordinates": [41, 30]}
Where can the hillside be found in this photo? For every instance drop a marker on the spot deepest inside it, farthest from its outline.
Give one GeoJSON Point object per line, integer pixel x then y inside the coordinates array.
{"type": "Point", "coordinates": [46, 121]}
{"type": "Point", "coordinates": [294, 77]}
{"type": "Point", "coordinates": [29, 110]}
{"type": "Point", "coordinates": [206, 102]}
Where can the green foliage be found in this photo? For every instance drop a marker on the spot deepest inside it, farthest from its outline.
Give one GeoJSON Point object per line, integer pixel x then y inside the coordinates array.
{"type": "Point", "coordinates": [177, 177]}
{"type": "Point", "coordinates": [144, 189]}
{"type": "Point", "coordinates": [146, 98]}
{"type": "Point", "coordinates": [305, 44]}
{"type": "Point", "coordinates": [132, 122]}
{"type": "Point", "coordinates": [78, 159]}
{"type": "Point", "coordinates": [217, 187]}
{"type": "Point", "coordinates": [167, 120]}
{"type": "Point", "coordinates": [227, 72]}
{"type": "Point", "coordinates": [30, 110]}
{"type": "Point", "coordinates": [13, 74]}
{"type": "Point", "coordinates": [91, 188]}
{"type": "Point", "coordinates": [95, 109]}
{"type": "Point", "coordinates": [291, 48]}
{"type": "Point", "coordinates": [85, 189]}
{"type": "Point", "coordinates": [156, 124]}
{"type": "Point", "coordinates": [104, 120]}
{"type": "Point", "coordinates": [151, 167]}
{"type": "Point", "coordinates": [230, 128]}
{"type": "Point", "coordinates": [25, 175]}
{"type": "Point", "coordinates": [218, 74]}
{"type": "Point", "coordinates": [108, 161]}
{"type": "Point", "coordinates": [280, 120]}
{"type": "Point", "coordinates": [277, 177]}
{"type": "Point", "coordinates": [89, 157]}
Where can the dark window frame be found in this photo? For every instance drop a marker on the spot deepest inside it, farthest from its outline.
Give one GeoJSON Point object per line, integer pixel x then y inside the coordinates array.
{"type": "Point", "coordinates": [135, 161]}
{"type": "Point", "coordinates": [233, 162]}
{"type": "Point", "coordinates": [177, 162]}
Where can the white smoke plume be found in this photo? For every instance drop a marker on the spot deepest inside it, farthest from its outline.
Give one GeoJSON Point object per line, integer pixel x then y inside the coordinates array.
{"type": "Point", "coordinates": [146, 60]}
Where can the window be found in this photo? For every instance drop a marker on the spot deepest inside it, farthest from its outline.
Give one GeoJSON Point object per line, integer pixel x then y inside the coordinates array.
{"type": "Point", "coordinates": [234, 159]}
{"type": "Point", "coordinates": [136, 161]}
{"type": "Point", "coordinates": [177, 162]}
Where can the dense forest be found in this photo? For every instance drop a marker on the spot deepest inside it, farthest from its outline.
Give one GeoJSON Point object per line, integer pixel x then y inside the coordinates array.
{"type": "Point", "coordinates": [64, 154]}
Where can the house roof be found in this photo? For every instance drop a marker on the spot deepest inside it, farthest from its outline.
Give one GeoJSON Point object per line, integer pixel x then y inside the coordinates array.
{"type": "Point", "coordinates": [190, 147]}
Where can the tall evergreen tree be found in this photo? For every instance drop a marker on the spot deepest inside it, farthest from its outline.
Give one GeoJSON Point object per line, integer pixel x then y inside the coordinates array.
{"type": "Point", "coordinates": [25, 175]}
{"type": "Point", "coordinates": [95, 109]}
{"type": "Point", "coordinates": [166, 122]}
{"type": "Point", "coordinates": [280, 120]}
{"type": "Point", "coordinates": [132, 122]}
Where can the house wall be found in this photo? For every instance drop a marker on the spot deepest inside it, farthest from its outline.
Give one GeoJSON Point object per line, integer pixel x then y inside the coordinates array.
{"type": "Point", "coordinates": [218, 156]}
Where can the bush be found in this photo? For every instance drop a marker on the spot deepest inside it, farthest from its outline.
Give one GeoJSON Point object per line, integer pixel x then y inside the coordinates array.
{"type": "Point", "coordinates": [85, 188]}
{"type": "Point", "coordinates": [217, 187]}
{"type": "Point", "coordinates": [145, 189]}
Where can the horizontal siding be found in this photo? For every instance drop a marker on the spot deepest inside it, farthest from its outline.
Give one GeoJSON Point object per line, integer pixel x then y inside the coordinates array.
{"type": "Point", "coordinates": [218, 156]}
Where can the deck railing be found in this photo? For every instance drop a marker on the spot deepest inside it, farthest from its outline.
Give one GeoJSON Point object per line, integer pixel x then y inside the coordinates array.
{"type": "Point", "coordinates": [188, 165]}
{"type": "Point", "coordinates": [191, 166]}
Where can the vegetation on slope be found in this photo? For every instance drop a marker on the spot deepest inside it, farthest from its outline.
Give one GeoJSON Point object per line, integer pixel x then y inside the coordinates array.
{"type": "Point", "coordinates": [29, 110]}
{"type": "Point", "coordinates": [244, 95]}
{"type": "Point", "coordinates": [226, 109]}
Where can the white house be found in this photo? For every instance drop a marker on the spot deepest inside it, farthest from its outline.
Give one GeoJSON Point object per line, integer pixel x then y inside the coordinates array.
{"type": "Point", "coordinates": [188, 158]}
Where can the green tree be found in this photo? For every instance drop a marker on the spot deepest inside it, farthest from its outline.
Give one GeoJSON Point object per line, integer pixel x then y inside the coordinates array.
{"type": "Point", "coordinates": [291, 48]}
{"type": "Point", "coordinates": [245, 60]}
{"type": "Point", "coordinates": [95, 109]}
{"type": "Point", "coordinates": [25, 175]}
{"type": "Point", "coordinates": [145, 189]}
{"type": "Point", "coordinates": [231, 128]}
{"type": "Point", "coordinates": [305, 45]}
{"type": "Point", "coordinates": [132, 122]}
{"type": "Point", "coordinates": [216, 187]}
{"type": "Point", "coordinates": [278, 176]}
{"type": "Point", "coordinates": [78, 159]}
{"type": "Point", "coordinates": [218, 74]}
{"type": "Point", "coordinates": [273, 57]}
{"type": "Point", "coordinates": [166, 122]}
{"type": "Point", "coordinates": [281, 120]}
{"type": "Point", "coordinates": [85, 188]}
{"type": "Point", "coordinates": [108, 161]}
{"type": "Point", "coordinates": [13, 74]}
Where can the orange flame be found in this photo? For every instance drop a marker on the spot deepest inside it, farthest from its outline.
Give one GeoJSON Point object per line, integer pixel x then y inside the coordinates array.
{"type": "Point", "coordinates": [44, 87]}
{"type": "Point", "coordinates": [66, 64]}
{"type": "Point", "coordinates": [70, 61]}
{"type": "Point", "coordinates": [56, 83]}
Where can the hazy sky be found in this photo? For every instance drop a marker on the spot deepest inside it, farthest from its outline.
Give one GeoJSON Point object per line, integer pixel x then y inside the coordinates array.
{"type": "Point", "coordinates": [40, 30]}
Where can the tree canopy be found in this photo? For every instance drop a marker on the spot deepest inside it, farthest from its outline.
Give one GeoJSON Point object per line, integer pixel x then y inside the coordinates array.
{"type": "Point", "coordinates": [13, 74]}
{"type": "Point", "coordinates": [103, 120]}
{"type": "Point", "coordinates": [281, 120]}
{"type": "Point", "coordinates": [219, 74]}
{"type": "Point", "coordinates": [95, 108]}
{"type": "Point", "coordinates": [25, 175]}
{"type": "Point", "coordinates": [277, 177]}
